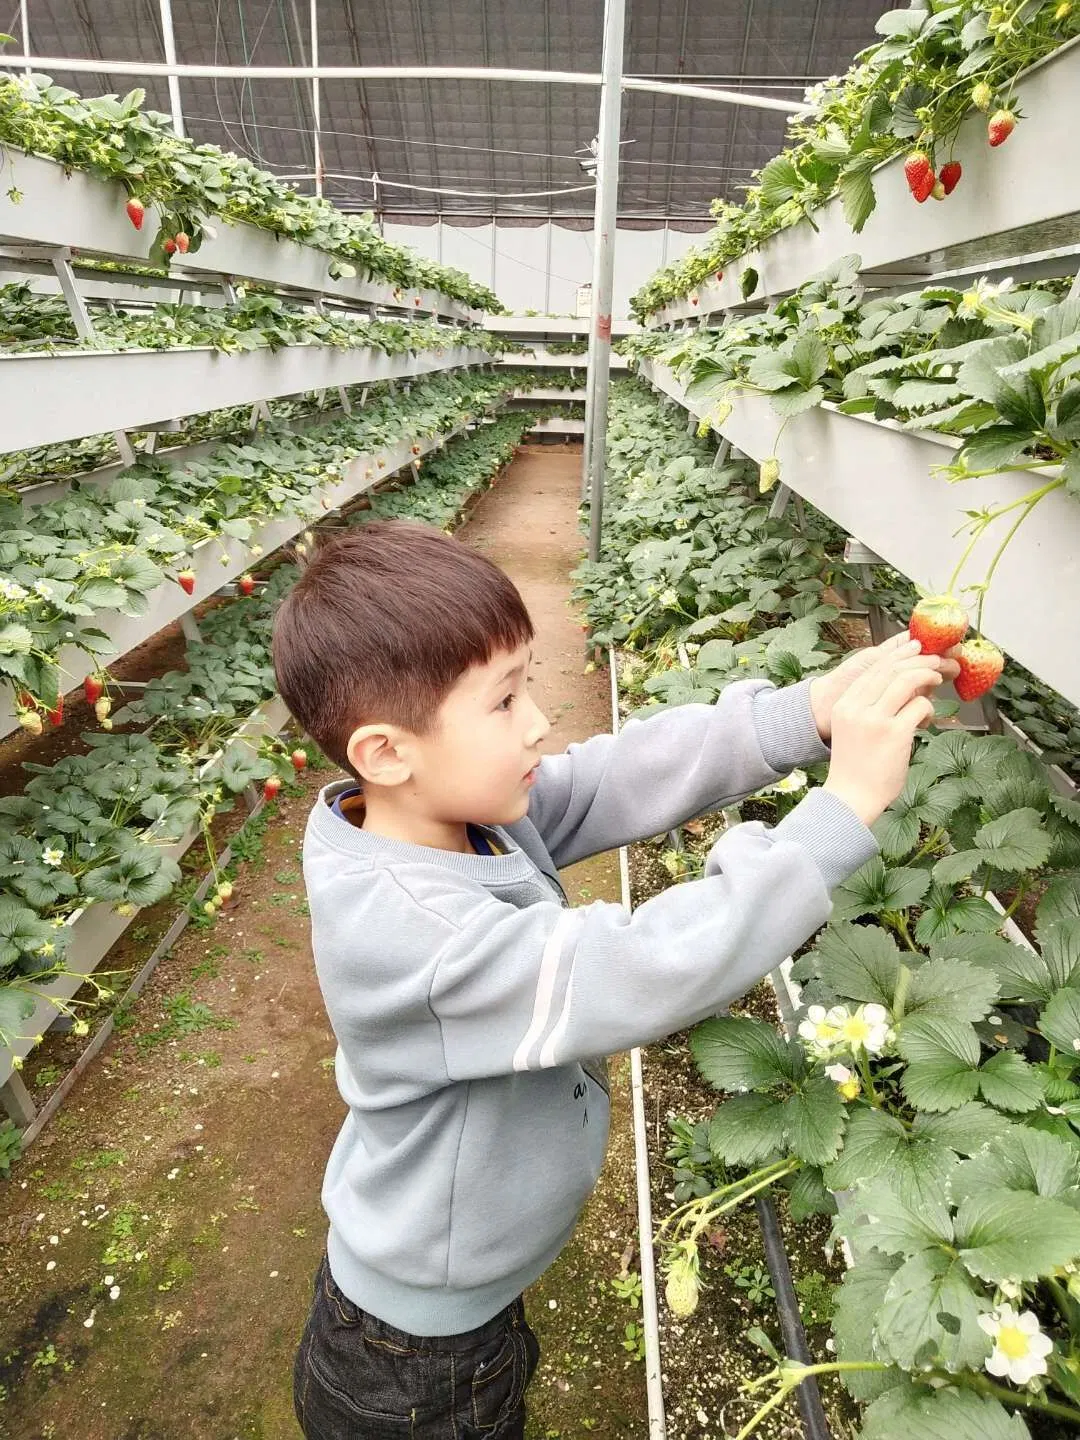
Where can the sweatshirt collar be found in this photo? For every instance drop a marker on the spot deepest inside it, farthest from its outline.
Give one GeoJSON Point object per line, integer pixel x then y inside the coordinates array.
{"type": "Point", "coordinates": [336, 831]}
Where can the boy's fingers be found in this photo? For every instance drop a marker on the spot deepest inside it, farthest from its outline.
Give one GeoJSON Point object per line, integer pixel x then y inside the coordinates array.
{"type": "Point", "coordinates": [906, 687]}
{"type": "Point", "coordinates": [871, 686]}
{"type": "Point", "coordinates": [916, 714]}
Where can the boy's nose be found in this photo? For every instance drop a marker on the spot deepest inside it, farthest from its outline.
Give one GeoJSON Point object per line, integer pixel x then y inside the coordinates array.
{"type": "Point", "coordinates": [540, 726]}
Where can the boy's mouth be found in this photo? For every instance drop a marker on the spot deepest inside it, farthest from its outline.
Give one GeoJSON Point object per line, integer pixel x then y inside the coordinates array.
{"type": "Point", "coordinates": [530, 775]}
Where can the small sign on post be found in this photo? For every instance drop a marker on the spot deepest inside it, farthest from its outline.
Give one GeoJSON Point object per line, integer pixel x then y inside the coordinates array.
{"type": "Point", "coordinates": [584, 301]}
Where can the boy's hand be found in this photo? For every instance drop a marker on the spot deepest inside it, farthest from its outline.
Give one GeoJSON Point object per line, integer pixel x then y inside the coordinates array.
{"type": "Point", "coordinates": [827, 689]}
{"type": "Point", "coordinates": [873, 724]}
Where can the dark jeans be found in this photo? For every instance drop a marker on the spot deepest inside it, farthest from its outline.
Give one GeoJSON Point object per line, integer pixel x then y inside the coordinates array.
{"type": "Point", "coordinates": [356, 1378]}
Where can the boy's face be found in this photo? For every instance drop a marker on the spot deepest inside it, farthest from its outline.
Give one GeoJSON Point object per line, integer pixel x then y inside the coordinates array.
{"type": "Point", "coordinates": [479, 762]}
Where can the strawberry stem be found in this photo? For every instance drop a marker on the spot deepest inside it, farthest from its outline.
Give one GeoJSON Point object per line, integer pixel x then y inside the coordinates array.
{"type": "Point", "coordinates": [1029, 502]}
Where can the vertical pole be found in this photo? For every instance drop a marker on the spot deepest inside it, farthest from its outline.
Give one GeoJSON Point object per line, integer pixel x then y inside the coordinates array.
{"type": "Point", "coordinates": [547, 267]}
{"type": "Point", "coordinates": [169, 38]}
{"type": "Point", "coordinates": [24, 24]}
{"type": "Point", "coordinates": [607, 203]}
{"type": "Point", "coordinates": [494, 239]}
{"type": "Point", "coordinates": [316, 101]}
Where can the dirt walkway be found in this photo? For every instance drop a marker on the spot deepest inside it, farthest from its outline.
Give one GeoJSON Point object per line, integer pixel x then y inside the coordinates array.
{"type": "Point", "coordinates": [157, 1242]}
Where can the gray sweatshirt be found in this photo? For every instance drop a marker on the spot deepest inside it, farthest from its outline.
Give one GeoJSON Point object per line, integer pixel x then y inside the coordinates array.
{"type": "Point", "coordinates": [467, 998]}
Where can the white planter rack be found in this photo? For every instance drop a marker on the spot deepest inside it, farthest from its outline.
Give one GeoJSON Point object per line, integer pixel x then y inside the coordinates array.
{"type": "Point", "coordinates": [543, 326]}
{"type": "Point", "coordinates": [541, 394]}
{"type": "Point", "coordinates": [220, 559]}
{"type": "Point", "coordinates": [77, 211]}
{"type": "Point", "coordinates": [539, 358]}
{"type": "Point", "coordinates": [875, 481]}
{"type": "Point", "coordinates": [47, 398]}
{"type": "Point", "coordinates": [1007, 205]}
{"type": "Point", "coordinates": [95, 929]}
{"type": "Point", "coordinates": [558, 426]}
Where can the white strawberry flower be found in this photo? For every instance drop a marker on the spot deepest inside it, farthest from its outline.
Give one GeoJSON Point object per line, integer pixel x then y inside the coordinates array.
{"type": "Point", "coordinates": [52, 856]}
{"type": "Point", "coordinates": [791, 784]}
{"type": "Point", "coordinates": [1020, 1347]}
{"type": "Point", "coordinates": [44, 589]}
{"type": "Point", "coordinates": [11, 589]}
{"type": "Point", "coordinates": [820, 1029]}
{"type": "Point", "coordinates": [840, 1074]}
{"type": "Point", "coordinates": [669, 598]}
{"type": "Point", "coordinates": [867, 1029]}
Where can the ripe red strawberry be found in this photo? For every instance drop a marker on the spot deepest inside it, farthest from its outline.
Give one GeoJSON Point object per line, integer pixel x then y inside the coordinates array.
{"type": "Point", "coordinates": [183, 241]}
{"type": "Point", "coordinates": [186, 580]}
{"type": "Point", "coordinates": [416, 449]}
{"type": "Point", "coordinates": [136, 211]}
{"type": "Point", "coordinates": [981, 664]}
{"type": "Point", "coordinates": [56, 717]}
{"type": "Point", "coordinates": [693, 299]}
{"type": "Point", "coordinates": [938, 623]}
{"type": "Point", "coordinates": [719, 276]}
{"type": "Point", "coordinates": [416, 301]}
{"type": "Point", "coordinates": [246, 584]}
{"type": "Point", "coordinates": [272, 786]}
{"type": "Point", "coordinates": [299, 760]}
{"type": "Point", "coordinates": [93, 688]}
{"type": "Point", "coordinates": [950, 176]}
{"type": "Point", "coordinates": [169, 247]}
{"type": "Point", "coordinates": [1002, 124]}
{"type": "Point", "coordinates": [919, 174]}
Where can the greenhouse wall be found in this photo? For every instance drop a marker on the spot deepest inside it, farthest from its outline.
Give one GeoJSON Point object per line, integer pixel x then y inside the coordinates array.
{"type": "Point", "coordinates": [540, 266]}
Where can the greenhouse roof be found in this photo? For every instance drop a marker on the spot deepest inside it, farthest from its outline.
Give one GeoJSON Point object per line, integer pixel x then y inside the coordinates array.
{"type": "Point", "coordinates": [486, 139]}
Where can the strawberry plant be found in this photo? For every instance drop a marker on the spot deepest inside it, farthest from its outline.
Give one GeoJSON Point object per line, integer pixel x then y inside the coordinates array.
{"type": "Point", "coordinates": [932, 1074]}
{"type": "Point", "coordinates": [109, 547]}
{"type": "Point", "coordinates": [907, 94]}
{"type": "Point", "coordinates": [184, 183]}
{"type": "Point", "coordinates": [90, 828]}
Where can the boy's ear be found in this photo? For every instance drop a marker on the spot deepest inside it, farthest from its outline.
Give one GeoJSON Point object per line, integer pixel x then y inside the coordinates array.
{"type": "Point", "coordinates": [378, 754]}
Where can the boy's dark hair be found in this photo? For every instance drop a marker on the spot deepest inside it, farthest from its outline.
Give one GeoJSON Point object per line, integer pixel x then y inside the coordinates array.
{"type": "Point", "coordinates": [382, 623]}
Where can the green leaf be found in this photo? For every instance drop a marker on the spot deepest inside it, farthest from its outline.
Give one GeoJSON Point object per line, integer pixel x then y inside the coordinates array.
{"type": "Point", "coordinates": [1009, 1083]}
{"type": "Point", "coordinates": [930, 1315]}
{"type": "Point", "coordinates": [951, 988]}
{"type": "Point", "coordinates": [1060, 1021]}
{"type": "Point", "coordinates": [858, 962]}
{"type": "Point", "coordinates": [874, 888]}
{"type": "Point", "coordinates": [815, 1119]}
{"type": "Point", "coordinates": [948, 913]}
{"type": "Point", "coordinates": [857, 196]}
{"type": "Point", "coordinates": [808, 1196]}
{"type": "Point", "coordinates": [942, 1056]}
{"type": "Point", "coordinates": [15, 640]}
{"type": "Point", "coordinates": [103, 593]}
{"type": "Point", "coordinates": [1005, 1234]}
{"type": "Point", "coordinates": [1021, 974]}
{"type": "Point", "coordinates": [1016, 841]}
{"type": "Point", "coordinates": [1060, 902]}
{"type": "Point", "coordinates": [859, 1297]}
{"type": "Point", "coordinates": [966, 1129]}
{"type": "Point", "coordinates": [15, 1006]}
{"type": "Point", "coordinates": [880, 1219]}
{"type": "Point", "coordinates": [746, 1129]}
{"type": "Point", "coordinates": [1061, 952]}
{"type": "Point", "coordinates": [737, 1053]}
{"type": "Point", "coordinates": [1024, 1160]}
{"type": "Point", "coordinates": [871, 1143]}
{"type": "Point", "coordinates": [918, 1414]}
{"type": "Point", "coordinates": [748, 282]}
{"type": "Point", "coordinates": [994, 448]}
{"type": "Point", "coordinates": [779, 181]}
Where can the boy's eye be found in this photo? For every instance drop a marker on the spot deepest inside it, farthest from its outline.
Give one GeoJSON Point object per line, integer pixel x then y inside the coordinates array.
{"type": "Point", "coordinates": [506, 702]}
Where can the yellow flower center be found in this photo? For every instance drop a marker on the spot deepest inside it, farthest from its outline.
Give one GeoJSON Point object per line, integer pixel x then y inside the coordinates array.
{"type": "Point", "coordinates": [856, 1030]}
{"type": "Point", "coordinates": [1013, 1342]}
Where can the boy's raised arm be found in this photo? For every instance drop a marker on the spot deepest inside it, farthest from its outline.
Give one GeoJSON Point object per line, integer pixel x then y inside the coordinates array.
{"type": "Point", "coordinates": [533, 988]}
{"type": "Point", "coordinates": [665, 769]}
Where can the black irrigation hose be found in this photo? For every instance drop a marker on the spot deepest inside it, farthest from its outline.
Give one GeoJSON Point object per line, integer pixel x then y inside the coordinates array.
{"type": "Point", "coordinates": [815, 1425]}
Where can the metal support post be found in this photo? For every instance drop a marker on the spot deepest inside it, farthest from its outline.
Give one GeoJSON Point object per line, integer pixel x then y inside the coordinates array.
{"type": "Point", "coordinates": [84, 325]}
{"type": "Point", "coordinates": [781, 500]}
{"type": "Point", "coordinates": [343, 396]}
{"type": "Point", "coordinates": [607, 200]}
{"type": "Point", "coordinates": [316, 101]}
{"type": "Point", "coordinates": [169, 38]}
{"type": "Point", "coordinates": [24, 26]}
{"type": "Point", "coordinates": [723, 450]}
{"type": "Point", "coordinates": [228, 289]}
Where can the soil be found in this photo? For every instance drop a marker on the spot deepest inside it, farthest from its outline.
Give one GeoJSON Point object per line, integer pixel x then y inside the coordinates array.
{"type": "Point", "coordinates": [184, 1167]}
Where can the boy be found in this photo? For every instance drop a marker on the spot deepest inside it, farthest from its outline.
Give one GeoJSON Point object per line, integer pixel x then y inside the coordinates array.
{"type": "Point", "coordinates": [466, 998]}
